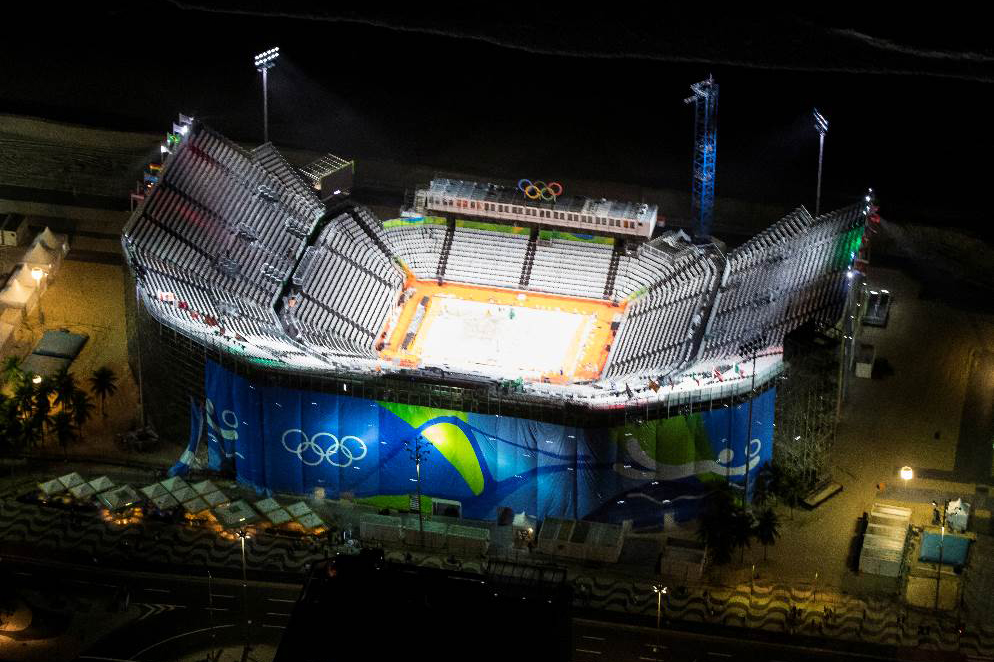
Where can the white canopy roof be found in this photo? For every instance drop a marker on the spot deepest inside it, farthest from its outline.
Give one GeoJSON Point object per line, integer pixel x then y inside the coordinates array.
{"type": "Point", "coordinates": [16, 295]}
{"type": "Point", "coordinates": [51, 487]}
{"type": "Point", "coordinates": [39, 256]}
{"type": "Point", "coordinates": [50, 240]}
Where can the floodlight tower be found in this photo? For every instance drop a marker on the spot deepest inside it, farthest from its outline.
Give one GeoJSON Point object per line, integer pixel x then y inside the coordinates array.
{"type": "Point", "coordinates": [821, 126]}
{"type": "Point", "coordinates": [705, 100]}
{"type": "Point", "coordinates": [263, 63]}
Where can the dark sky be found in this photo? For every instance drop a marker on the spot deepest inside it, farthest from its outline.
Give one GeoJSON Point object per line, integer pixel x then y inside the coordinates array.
{"type": "Point", "coordinates": [537, 93]}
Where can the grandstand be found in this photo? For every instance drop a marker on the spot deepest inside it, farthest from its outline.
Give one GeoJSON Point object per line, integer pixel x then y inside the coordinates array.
{"type": "Point", "coordinates": [252, 286]}
{"type": "Point", "coordinates": [236, 248]}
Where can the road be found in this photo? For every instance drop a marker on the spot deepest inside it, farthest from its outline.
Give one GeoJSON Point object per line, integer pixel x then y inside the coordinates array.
{"type": "Point", "coordinates": [181, 615]}
{"type": "Point", "coordinates": [178, 614]}
{"type": "Point", "coordinates": [596, 641]}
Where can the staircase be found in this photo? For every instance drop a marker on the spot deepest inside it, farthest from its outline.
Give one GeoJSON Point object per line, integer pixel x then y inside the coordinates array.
{"type": "Point", "coordinates": [526, 268]}
{"type": "Point", "coordinates": [371, 233]}
{"type": "Point", "coordinates": [612, 270]}
{"type": "Point", "coordinates": [443, 256]}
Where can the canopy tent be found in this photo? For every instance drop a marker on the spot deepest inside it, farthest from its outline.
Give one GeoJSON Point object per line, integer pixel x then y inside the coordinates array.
{"type": "Point", "coordinates": [165, 502]}
{"type": "Point", "coordinates": [51, 487]}
{"type": "Point", "coordinates": [298, 509]}
{"type": "Point", "coordinates": [204, 487]}
{"type": "Point", "coordinates": [71, 480]}
{"type": "Point", "coordinates": [82, 491]}
{"type": "Point", "coordinates": [267, 505]}
{"type": "Point", "coordinates": [195, 506]}
{"type": "Point", "coordinates": [102, 484]}
{"type": "Point", "coordinates": [39, 256]}
{"type": "Point", "coordinates": [310, 521]}
{"type": "Point", "coordinates": [234, 515]}
{"type": "Point", "coordinates": [278, 516]}
{"type": "Point", "coordinates": [24, 277]}
{"type": "Point", "coordinates": [215, 498]}
{"type": "Point", "coordinates": [185, 494]}
{"type": "Point", "coordinates": [16, 295]}
{"type": "Point", "coordinates": [175, 483]}
{"type": "Point", "coordinates": [52, 241]}
{"type": "Point", "coordinates": [119, 498]}
{"type": "Point", "coordinates": [154, 491]}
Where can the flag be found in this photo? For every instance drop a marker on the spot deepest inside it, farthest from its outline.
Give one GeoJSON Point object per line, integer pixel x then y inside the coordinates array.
{"type": "Point", "coordinates": [654, 386]}
{"type": "Point", "coordinates": [718, 375]}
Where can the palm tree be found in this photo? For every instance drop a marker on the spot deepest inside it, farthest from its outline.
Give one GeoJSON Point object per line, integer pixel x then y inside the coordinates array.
{"type": "Point", "coordinates": [10, 370]}
{"type": "Point", "coordinates": [741, 530]}
{"type": "Point", "coordinates": [42, 407]}
{"type": "Point", "coordinates": [64, 383]}
{"type": "Point", "coordinates": [767, 529]}
{"type": "Point", "coordinates": [82, 409]}
{"type": "Point", "coordinates": [103, 383]}
{"type": "Point", "coordinates": [24, 397]}
{"type": "Point", "coordinates": [62, 422]}
{"type": "Point", "coordinates": [715, 524]}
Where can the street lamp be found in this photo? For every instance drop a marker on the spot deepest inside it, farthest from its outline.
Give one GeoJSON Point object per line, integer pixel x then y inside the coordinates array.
{"type": "Point", "coordinates": [38, 274]}
{"type": "Point", "coordinates": [263, 63]}
{"type": "Point", "coordinates": [243, 536]}
{"type": "Point", "coordinates": [419, 452]}
{"type": "Point", "coordinates": [821, 126]}
{"type": "Point", "coordinates": [906, 475]}
{"type": "Point", "coordinates": [938, 568]}
{"type": "Point", "coordinates": [660, 591]}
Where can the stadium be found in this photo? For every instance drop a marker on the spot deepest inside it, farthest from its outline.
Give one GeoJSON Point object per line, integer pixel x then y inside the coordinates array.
{"type": "Point", "coordinates": [561, 356]}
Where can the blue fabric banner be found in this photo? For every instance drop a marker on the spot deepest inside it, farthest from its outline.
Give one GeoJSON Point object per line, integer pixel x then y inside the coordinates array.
{"type": "Point", "coordinates": [288, 440]}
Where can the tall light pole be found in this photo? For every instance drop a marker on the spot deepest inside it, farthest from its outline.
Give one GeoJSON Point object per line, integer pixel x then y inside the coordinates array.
{"type": "Point", "coordinates": [942, 538]}
{"type": "Point", "coordinates": [821, 126]}
{"type": "Point", "coordinates": [243, 535]}
{"type": "Point", "coordinates": [660, 591]}
{"type": "Point", "coordinates": [38, 274]}
{"type": "Point", "coordinates": [419, 451]}
{"type": "Point", "coordinates": [263, 63]}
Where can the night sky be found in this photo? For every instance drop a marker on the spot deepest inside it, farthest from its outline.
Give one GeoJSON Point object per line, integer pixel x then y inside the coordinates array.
{"type": "Point", "coordinates": [532, 92]}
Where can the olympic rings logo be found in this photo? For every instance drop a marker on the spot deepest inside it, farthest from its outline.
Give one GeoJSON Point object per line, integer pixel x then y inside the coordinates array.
{"type": "Point", "coordinates": [539, 190]}
{"type": "Point", "coordinates": [313, 450]}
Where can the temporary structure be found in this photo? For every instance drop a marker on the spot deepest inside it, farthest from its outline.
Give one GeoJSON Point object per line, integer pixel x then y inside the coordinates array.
{"type": "Point", "coordinates": [39, 256]}
{"type": "Point", "coordinates": [52, 241]}
{"type": "Point", "coordinates": [16, 295]}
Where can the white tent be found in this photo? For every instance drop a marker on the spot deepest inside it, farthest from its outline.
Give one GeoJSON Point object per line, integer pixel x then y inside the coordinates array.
{"type": "Point", "coordinates": [51, 487]}
{"type": "Point", "coordinates": [119, 497]}
{"type": "Point", "coordinates": [154, 491]}
{"type": "Point", "coordinates": [71, 480]}
{"type": "Point", "coordinates": [16, 295]}
{"type": "Point", "coordinates": [52, 241]}
{"type": "Point", "coordinates": [39, 256]}
{"type": "Point", "coordinates": [24, 277]}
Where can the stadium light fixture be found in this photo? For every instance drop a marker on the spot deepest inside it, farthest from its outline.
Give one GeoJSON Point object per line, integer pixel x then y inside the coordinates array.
{"type": "Point", "coordinates": [821, 126]}
{"type": "Point", "coordinates": [263, 63]}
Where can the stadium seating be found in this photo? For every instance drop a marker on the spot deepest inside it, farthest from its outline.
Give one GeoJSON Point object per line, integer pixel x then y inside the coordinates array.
{"type": "Point", "coordinates": [347, 288]}
{"type": "Point", "coordinates": [418, 247]}
{"type": "Point", "coordinates": [488, 258]}
{"type": "Point", "coordinates": [657, 332]}
{"type": "Point", "coordinates": [573, 268]}
{"type": "Point", "coordinates": [224, 250]}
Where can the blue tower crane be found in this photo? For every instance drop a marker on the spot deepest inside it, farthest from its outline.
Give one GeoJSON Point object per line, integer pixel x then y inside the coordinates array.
{"type": "Point", "coordinates": [705, 100]}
